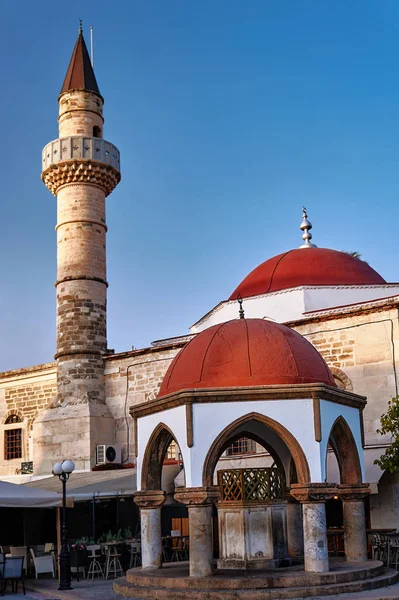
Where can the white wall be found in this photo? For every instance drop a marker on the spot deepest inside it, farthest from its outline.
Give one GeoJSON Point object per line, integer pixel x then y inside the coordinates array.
{"type": "Point", "coordinates": [329, 413]}
{"type": "Point", "coordinates": [293, 304]}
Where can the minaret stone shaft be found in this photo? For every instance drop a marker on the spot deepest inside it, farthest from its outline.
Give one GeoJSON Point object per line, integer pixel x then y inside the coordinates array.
{"type": "Point", "coordinates": [81, 169]}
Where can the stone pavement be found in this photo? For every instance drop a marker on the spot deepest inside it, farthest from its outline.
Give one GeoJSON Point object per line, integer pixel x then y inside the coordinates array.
{"type": "Point", "coordinates": [46, 589]}
{"type": "Point", "coordinates": [82, 590]}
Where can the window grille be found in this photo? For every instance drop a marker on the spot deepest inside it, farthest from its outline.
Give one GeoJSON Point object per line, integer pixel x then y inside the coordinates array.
{"type": "Point", "coordinates": [171, 451]}
{"type": "Point", "coordinates": [12, 443]}
{"type": "Point", "coordinates": [242, 446]}
{"type": "Point", "coordinates": [13, 419]}
{"type": "Point", "coordinates": [251, 485]}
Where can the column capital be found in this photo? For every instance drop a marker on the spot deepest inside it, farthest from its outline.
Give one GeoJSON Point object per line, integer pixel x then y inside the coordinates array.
{"type": "Point", "coordinates": [351, 492]}
{"type": "Point", "coordinates": [313, 492]}
{"type": "Point", "coordinates": [198, 496]}
{"type": "Point", "coordinates": [150, 498]}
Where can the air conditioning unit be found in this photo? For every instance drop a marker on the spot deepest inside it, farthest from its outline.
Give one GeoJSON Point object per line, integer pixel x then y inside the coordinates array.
{"type": "Point", "coordinates": [108, 453]}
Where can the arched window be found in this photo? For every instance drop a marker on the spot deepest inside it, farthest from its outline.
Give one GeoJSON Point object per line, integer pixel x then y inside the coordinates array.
{"type": "Point", "coordinates": [13, 438]}
{"type": "Point", "coordinates": [13, 419]}
{"type": "Point", "coordinates": [242, 446]}
{"type": "Point", "coordinates": [96, 131]}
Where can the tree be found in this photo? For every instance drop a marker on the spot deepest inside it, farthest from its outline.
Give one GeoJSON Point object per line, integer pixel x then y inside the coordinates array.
{"type": "Point", "coordinates": [355, 254]}
{"type": "Point", "coordinates": [390, 425]}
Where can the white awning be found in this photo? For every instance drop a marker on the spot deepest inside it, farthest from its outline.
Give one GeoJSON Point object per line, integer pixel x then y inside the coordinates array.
{"type": "Point", "coordinates": [19, 496]}
{"type": "Point", "coordinates": [83, 486]}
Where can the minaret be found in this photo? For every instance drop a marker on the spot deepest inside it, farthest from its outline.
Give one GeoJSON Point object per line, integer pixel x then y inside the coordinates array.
{"type": "Point", "coordinates": [80, 168]}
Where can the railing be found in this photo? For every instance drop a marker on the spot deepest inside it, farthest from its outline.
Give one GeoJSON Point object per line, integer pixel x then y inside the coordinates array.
{"type": "Point", "coordinates": [75, 147]}
{"type": "Point", "coordinates": [251, 485]}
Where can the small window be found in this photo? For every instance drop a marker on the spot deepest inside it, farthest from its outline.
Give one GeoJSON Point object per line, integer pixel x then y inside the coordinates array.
{"type": "Point", "coordinates": [96, 131]}
{"type": "Point", "coordinates": [13, 419]}
{"type": "Point", "coordinates": [241, 446]}
{"type": "Point", "coordinates": [171, 451]}
{"type": "Point", "coordinates": [12, 444]}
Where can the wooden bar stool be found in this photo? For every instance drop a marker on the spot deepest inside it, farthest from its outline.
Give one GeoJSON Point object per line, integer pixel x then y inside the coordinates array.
{"type": "Point", "coordinates": [113, 567]}
{"type": "Point", "coordinates": [95, 567]}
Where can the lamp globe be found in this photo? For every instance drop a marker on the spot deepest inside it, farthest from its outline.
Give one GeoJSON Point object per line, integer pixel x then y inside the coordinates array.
{"type": "Point", "coordinates": [68, 466]}
{"type": "Point", "coordinates": [57, 469]}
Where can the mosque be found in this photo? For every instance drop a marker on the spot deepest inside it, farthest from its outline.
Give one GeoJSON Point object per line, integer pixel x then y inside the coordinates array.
{"type": "Point", "coordinates": [284, 382]}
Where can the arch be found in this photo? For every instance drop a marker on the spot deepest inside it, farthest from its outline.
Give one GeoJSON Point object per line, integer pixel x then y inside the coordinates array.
{"type": "Point", "coordinates": [256, 438]}
{"type": "Point", "coordinates": [341, 377]}
{"type": "Point", "coordinates": [154, 455]}
{"type": "Point", "coordinates": [345, 448]}
{"type": "Point", "coordinates": [97, 131]}
{"type": "Point", "coordinates": [13, 419]}
{"type": "Point", "coordinates": [10, 414]}
{"type": "Point", "coordinates": [224, 438]}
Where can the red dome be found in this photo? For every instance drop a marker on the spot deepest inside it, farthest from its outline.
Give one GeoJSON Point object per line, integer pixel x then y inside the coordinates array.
{"type": "Point", "coordinates": [245, 352]}
{"type": "Point", "coordinates": [307, 266]}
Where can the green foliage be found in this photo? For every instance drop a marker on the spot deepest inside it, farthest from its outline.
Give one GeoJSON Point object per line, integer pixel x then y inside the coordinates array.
{"type": "Point", "coordinates": [390, 426]}
{"type": "Point", "coordinates": [355, 254]}
{"type": "Point", "coordinates": [111, 537]}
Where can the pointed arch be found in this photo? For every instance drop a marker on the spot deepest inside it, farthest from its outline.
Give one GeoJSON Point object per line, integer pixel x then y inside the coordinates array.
{"type": "Point", "coordinates": [345, 448]}
{"type": "Point", "coordinates": [224, 439]}
{"type": "Point", "coordinates": [154, 455]}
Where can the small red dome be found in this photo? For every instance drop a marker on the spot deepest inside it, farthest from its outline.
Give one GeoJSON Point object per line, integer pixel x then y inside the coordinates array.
{"type": "Point", "coordinates": [307, 266]}
{"type": "Point", "coordinates": [245, 352]}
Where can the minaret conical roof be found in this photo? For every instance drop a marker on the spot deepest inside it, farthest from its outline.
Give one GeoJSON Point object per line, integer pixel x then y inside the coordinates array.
{"type": "Point", "coordinates": [80, 74]}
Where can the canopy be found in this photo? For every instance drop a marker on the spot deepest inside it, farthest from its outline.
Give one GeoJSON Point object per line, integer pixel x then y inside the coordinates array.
{"type": "Point", "coordinates": [20, 496]}
{"type": "Point", "coordinates": [84, 485]}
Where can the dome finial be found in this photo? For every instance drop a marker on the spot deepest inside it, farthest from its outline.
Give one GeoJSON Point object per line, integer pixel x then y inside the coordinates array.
{"type": "Point", "coordinates": [306, 226]}
{"type": "Point", "coordinates": [241, 310]}
{"type": "Point", "coordinates": [80, 30]}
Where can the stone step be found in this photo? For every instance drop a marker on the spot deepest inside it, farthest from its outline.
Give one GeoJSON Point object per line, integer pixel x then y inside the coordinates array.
{"type": "Point", "coordinates": [176, 576]}
{"type": "Point", "coordinates": [154, 592]}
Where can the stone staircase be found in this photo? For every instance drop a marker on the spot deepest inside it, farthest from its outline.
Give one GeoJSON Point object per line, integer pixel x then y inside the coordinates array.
{"type": "Point", "coordinates": [173, 583]}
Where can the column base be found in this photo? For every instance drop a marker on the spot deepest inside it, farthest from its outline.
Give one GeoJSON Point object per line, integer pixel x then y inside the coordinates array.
{"type": "Point", "coordinates": [255, 564]}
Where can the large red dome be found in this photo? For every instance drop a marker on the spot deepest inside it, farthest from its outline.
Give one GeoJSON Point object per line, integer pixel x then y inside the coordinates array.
{"type": "Point", "coordinates": [306, 266]}
{"type": "Point", "coordinates": [245, 352]}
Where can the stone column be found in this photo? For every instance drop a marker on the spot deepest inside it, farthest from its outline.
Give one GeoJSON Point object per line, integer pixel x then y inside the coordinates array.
{"type": "Point", "coordinates": [315, 537]}
{"type": "Point", "coordinates": [200, 509]}
{"type": "Point", "coordinates": [352, 496]}
{"type": "Point", "coordinates": [150, 502]}
{"type": "Point", "coordinates": [294, 530]}
{"type": "Point", "coordinates": [313, 497]}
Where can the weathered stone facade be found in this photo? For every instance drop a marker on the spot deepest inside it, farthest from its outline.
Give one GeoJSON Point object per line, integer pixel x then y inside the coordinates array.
{"type": "Point", "coordinates": [359, 347]}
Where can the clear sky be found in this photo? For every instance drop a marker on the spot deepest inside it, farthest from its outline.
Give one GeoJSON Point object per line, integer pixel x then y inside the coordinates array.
{"type": "Point", "coordinates": [229, 115]}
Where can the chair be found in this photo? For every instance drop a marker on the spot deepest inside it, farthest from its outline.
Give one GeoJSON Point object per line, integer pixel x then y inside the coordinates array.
{"type": "Point", "coordinates": [20, 551]}
{"type": "Point", "coordinates": [95, 567]}
{"type": "Point", "coordinates": [113, 566]}
{"type": "Point", "coordinates": [135, 554]}
{"type": "Point", "coordinates": [180, 549]}
{"type": "Point", "coordinates": [79, 560]}
{"type": "Point", "coordinates": [2, 558]}
{"type": "Point", "coordinates": [13, 571]}
{"type": "Point", "coordinates": [43, 564]}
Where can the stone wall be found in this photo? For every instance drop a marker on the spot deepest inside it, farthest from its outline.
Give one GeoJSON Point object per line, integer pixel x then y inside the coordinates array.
{"type": "Point", "coordinates": [133, 378]}
{"type": "Point", "coordinates": [361, 350]}
{"type": "Point", "coordinates": [24, 392]}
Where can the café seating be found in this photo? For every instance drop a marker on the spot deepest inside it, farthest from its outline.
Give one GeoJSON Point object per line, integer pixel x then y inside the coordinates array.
{"type": "Point", "coordinates": [21, 551]}
{"type": "Point", "coordinates": [95, 568]}
{"type": "Point", "coordinates": [2, 572]}
{"type": "Point", "coordinates": [113, 567]}
{"type": "Point", "coordinates": [43, 564]}
{"type": "Point", "coordinates": [180, 549]}
{"type": "Point", "coordinates": [13, 570]}
{"type": "Point", "coordinates": [135, 554]}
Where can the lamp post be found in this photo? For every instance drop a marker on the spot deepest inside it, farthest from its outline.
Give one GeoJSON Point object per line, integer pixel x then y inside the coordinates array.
{"type": "Point", "coordinates": [63, 470]}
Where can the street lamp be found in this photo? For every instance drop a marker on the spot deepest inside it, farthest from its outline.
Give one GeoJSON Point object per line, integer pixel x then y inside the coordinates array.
{"type": "Point", "coordinates": [63, 470]}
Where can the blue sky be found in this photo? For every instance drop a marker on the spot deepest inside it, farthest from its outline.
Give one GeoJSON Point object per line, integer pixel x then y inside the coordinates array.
{"type": "Point", "coordinates": [229, 115]}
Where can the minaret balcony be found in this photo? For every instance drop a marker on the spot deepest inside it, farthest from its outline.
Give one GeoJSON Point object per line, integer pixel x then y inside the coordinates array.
{"type": "Point", "coordinates": [79, 147]}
